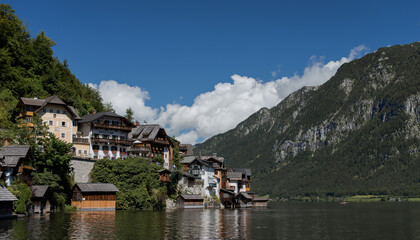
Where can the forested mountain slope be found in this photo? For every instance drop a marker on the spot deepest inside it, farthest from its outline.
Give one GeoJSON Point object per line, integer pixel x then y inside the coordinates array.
{"type": "Point", "coordinates": [29, 69]}
{"type": "Point", "coordinates": [357, 133]}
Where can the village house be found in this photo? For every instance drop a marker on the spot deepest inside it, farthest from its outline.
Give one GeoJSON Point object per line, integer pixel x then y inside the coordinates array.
{"type": "Point", "coordinates": [203, 171]}
{"type": "Point", "coordinates": [239, 179]}
{"type": "Point", "coordinates": [13, 162]}
{"type": "Point", "coordinates": [190, 201]}
{"type": "Point", "coordinates": [60, 118]}
{"type": "Point", "coordinates": [151, 141]}
{"type": "Point", "coordinates": [102, 135]}
{"type": "Point", "coordinates": [40, 199]}
{"type": "Point", "coordinates": [6, 202]}
{"type": "Point", "coordinates": [94, 196]}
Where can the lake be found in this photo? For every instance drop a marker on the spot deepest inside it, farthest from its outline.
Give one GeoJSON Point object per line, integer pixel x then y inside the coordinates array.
{"type": "Point", "coordinates": [291, 220]}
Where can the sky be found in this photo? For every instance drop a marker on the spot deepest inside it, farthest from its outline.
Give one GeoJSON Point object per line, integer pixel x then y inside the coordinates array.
{"type": "Point", "coordinates": [199, 68]}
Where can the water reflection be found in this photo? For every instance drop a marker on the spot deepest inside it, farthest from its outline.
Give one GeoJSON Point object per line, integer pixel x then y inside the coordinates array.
{"type": "Point", "coordinates": [281, 221]}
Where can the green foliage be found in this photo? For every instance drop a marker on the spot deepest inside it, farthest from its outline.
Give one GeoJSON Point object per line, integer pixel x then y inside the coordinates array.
{"type": "Point", "coordinates": [53, 168]}
{"type": "Point", "coordinates": [23, 194]}
{"type": "Point", "coordinates": [108, 107]}
{"type": "Point", "coordinates": [129, 114]}
{"type": "Point", "coordinates": [176, 157]}
{"type": "Point", "coordinates": [29, 69]}
{"type": "Point", "coordinates": [136, 178]}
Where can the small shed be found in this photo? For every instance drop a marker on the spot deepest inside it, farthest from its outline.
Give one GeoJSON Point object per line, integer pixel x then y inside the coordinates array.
{"type": "Point", "coordinates": [94, 196]}
{"type": "Point", "coordinates": [227, 198]}
{"type": "Point", "coordinates": [260, 201]}
{"type": "Point", "coordinates": [190, 201]}
{"type": "Point", "coordinates": [6, 202]}
{"type": "Point", "coordinates": [40, 199]}
{"type": "Point", "coordinates": [164, 175]}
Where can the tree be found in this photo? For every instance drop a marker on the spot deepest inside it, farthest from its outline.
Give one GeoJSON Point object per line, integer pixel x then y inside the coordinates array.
{"type": "Point", "coordinates": [108, 107]}
{"type": "Point", "coordinates": [129, 114]}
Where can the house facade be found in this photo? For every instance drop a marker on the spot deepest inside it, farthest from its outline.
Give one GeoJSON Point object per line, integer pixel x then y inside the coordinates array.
{"type": "Point", "coordinates": [102, 135]}
{"type": "Point", "coordinates": [151, 141]}
{"type": "Point", "coordinates": [60, 118]}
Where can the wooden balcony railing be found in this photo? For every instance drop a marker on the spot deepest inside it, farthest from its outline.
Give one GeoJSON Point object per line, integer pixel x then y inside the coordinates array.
{"type": "Point", "coordinates": [80, 140]}
{"type": "Point", "coordinates": [112, 141]}
{"type": "Point", "coordinates": [138, 149]}
{"type": "Point", "coordinates": [108, 126]}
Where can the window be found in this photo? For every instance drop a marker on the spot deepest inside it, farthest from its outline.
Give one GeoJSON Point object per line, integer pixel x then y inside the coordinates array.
{"type": "Point", "coordinates": [51, 110]}
{"type": "Point", "coordinates": [63, 135]}
{"type": "Point", "coordinates": [105, 148]}
{"type": "Point", "coordinates": [51, 123]}
{"type": "Point", "coordinates": [44, 110]}
{"type": "Point", "coordinates": [28, 120]}
{"type": "Point", "coordinates": [80, 152]}
{"type": "Point", "coordinates": [95, 147]}
{"type": "Point", "coordinates": [85, 152]}
{"type": "Point", "coordinates": [74, 123]}
{"type": "Point", "coordinates": [63, 124]}
{"type": "Point", "coordinates": [64, 112]}
{"type": "Point", "coordinates": [54, 116]}
{"type": "Point", "coordinates": [58, 110]}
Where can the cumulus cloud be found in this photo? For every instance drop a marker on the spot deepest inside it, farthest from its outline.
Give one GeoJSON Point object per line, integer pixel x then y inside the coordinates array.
{"type": "Point", "coordinates": [223, 108]}
{"type": "Point", "coordinates": [123, 96]}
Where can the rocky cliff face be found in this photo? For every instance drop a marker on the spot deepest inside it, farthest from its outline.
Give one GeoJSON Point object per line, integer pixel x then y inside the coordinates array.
{"type": "Point", "coordinates": [364, 124]}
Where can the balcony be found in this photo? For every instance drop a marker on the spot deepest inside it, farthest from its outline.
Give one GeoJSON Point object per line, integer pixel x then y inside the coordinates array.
{"type": "Point", "coordinates": [79, 140]}
{"type": "Point", "coordinates": [139, 149]}
{"type": "Point", "coordinates": [26, 114]}
{"type": "Point", "coordinates": [112, 141]}
{"type": "Point", "coordinates": [109, 126]}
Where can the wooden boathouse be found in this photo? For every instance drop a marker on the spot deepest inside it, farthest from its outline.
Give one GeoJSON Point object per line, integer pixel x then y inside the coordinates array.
{"type": "Point", "coordinates": [94, 196]}
{"type": "Point", "coordinates": [190, 201]}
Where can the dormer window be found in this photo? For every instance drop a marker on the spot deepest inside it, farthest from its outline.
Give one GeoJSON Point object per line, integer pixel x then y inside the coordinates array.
{"type": "Point", "coordinates": [44, 110]}
{"type": "Point", "coordinates": [58, 110]}
{"type": "Point", "coordinates": [64, 112]}
{"type": "Point", "coordinates": [51, 110]}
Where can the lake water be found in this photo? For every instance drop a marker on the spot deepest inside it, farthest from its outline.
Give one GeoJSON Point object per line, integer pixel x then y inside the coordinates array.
{"type": "Point", "coordinates": [292, 220]}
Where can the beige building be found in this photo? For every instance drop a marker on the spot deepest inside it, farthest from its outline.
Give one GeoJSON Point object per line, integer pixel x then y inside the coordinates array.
{"type": "Point", "coordinates": [60, 118]}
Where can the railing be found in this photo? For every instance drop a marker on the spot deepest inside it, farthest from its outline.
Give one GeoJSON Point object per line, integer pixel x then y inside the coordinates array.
{"type": "Point", "coordinates": [101, 125]}
{"type": "Point", "coordinates": [113, 141]}
{"type": "Point", "coordinates": [138, 149]}
{"type": "Point", "coordinates": [80, 140]}
{"type": "Point", "coordinates": [26, 114]}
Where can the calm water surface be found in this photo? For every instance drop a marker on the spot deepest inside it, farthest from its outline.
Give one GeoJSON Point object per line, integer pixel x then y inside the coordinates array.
{"type": "Point", "coordinates": [294, 220]}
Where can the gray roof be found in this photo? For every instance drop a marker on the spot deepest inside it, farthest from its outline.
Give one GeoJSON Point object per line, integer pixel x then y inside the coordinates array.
{"type": "Point", "coordinates": [192, 196]}
{"type": "Point", "coordinates": [245, 171]}
{"type": "Point", "coordinates": [97, 187]}
{"type": "Point", "coordinates": [188, 148]}
{"type": "Point", "coordinates": [145, 132]}
{"type": "Point", "coordinates": [245, 195]}
{"type": "Point", "coordinates": [234, 175]}
{"type": "Point", "coordinates": [6, 195]}
{"type": "Point", "coordinates": [188, 159]}
{"type": "Point", "coordinates": [92, 117]}
{"type": "Point", "coordinates": [13, 153]}
{"type": "Point", "coordinates": [39, 191]}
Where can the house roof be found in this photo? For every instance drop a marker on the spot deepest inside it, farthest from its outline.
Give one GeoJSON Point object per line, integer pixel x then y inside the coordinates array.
{"type": "Point", "coordinates": [146, 132]}
{"type": "Point", "coordinates": [188, 148]}
{"type": "Point", "coordinates": [245, 195]}
{"type": "Point", "coordinates": [49, 100]}
{"type": "Point", "coordinates": [191, 196]}
{"type": "Point", "coordinates": [245, 171]}
{"type": "Point", "coordinates": [38, 191]}
{"type": "Point", "coordinates": [92, 117]}
{"type": "Point", "coordinates": [234, 175]}
{"type": "Point", "coordinates": [13, 153]}
{"type": "Point", "coordinates": [188, 159]}
{"type": "Point", "coordinates": [6, 195]}
{"type": "Point", "coordinates": [97, 187]}
{"type": "Point", "coordinates": [164, 170]}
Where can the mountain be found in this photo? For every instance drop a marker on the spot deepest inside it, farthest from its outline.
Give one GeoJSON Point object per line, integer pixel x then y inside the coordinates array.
{"type": "Point", "coordinates": [359, 133]}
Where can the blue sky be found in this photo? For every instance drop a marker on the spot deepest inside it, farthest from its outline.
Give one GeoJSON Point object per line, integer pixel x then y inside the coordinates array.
{"type": "Point", "coordinates": [173, 52]}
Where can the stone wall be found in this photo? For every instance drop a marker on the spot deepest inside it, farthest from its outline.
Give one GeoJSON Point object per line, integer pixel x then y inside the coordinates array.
{"type": "Point", "coordinates": [81, 169]}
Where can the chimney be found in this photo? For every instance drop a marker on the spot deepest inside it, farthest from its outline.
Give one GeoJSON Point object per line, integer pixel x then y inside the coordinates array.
{"type": "Point", "coordinates": [94, 111]}
{"type": "Point", "coordinates": [214, 154]}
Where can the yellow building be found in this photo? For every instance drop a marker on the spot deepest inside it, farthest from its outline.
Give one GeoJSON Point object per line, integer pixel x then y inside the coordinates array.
{"type": "Point", "coordinates": [60, 118]}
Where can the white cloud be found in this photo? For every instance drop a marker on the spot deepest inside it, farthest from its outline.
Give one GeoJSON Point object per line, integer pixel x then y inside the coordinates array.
{"type": "Point", "coordinates": [123, 96]}
{"type": "Point", "coordinates": [223, 108]}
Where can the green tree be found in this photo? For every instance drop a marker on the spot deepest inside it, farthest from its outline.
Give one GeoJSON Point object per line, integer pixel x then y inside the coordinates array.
{"type": "Point", "coordinates": [129, 114]}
